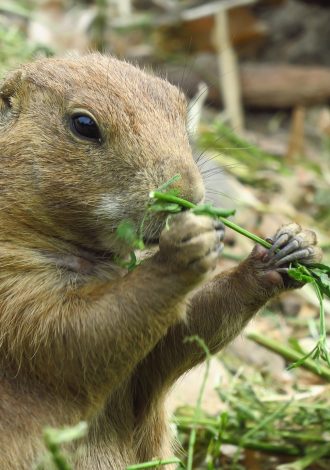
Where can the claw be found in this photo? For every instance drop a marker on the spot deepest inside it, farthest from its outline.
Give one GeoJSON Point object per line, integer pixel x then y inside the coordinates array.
{"type": "Point", "coordinates": [316, 255]}
{"type": "Point", "coordinates": [308, 237]}
{"type": "Point", "coordinates": [295, 256]}
{"type": "Point", "coordinates": [290, 244]}
{"type": "Point", "coordinates": [284, 235]}
{"type": "Point", "coordinates": [289, 248]}
{"type": "Point", "coordinates": [282, 270]}
{"type": "Point", "coordinates": [280, 241]}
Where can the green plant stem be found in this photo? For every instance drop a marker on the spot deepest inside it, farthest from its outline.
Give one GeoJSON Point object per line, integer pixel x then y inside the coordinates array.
{"type": "Point", "coordinates": [300, 438]}
{"type": "Point", "coordinates": [154, 464]}
{"type": "Point", "coordinates": [58, 459]}
{"type": "Point", "coordinates": [53, 438]}
{"type": "Point", "coordinates": [304, 274]}
{"type": "Point", "coordinates": [246, 233]}
{"type": "Point", "coordinates": [263, 423]}
{"type": "Point", "coordinates": [193, 433]}
{"type": "Point", "coordinates": [312, 456]}
{"type": "Point", "coordinates": [232, 257]}
{"type": "Point", "coordinates": [215, 212]}
{"type": "Point", "coordinates": [171, 198]}
{"type": "Point", "coordinates": [290, 355]}
{"type": "Point", "coordinates": [185, 422]}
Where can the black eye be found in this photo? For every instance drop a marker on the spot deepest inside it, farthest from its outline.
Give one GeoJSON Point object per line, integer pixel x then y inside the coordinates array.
{"type": "Point", "coordinates": [84, 126]}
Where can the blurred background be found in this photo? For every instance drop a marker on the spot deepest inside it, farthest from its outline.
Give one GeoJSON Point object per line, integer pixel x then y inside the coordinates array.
{"type": "Point", "coordinates": [257, 77]}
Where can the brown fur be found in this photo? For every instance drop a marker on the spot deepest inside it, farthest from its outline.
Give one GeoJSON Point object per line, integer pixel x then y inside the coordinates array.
{"type": "Point", "coordinates": [80, 338]}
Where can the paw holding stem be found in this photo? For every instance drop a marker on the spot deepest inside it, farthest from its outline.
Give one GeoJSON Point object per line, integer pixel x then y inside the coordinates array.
{"type": "Point", "coordinates": [290, 243]}
{"type": "Point", "coordinates": [191, 243]}
{"type": "Point", "coordinates": [283, 263]}
{"type": "Point", "coordinates": [159, 202]}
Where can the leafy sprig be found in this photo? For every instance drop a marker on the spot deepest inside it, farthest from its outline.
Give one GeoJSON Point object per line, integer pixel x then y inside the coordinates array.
{"type": "Point", "coordinates": [54, 439]}
{"type": "Point", "coordinates": [319, 278]}
{"type": "Point", "coordinates": [166, 199]}
{"type": "Point", "coordinates": [318, 275]}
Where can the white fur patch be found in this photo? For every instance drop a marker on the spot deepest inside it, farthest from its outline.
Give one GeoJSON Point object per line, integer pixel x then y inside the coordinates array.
{"type": "Point", "coordinates": [111, 206]}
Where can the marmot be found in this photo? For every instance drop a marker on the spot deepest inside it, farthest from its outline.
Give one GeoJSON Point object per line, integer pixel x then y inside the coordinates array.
{"type": "Point", "coordinates": [82, 142]}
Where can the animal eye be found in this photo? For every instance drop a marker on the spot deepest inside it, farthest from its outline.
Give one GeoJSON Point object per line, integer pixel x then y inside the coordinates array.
{"type": "Point", "coordinates": [84, 126]}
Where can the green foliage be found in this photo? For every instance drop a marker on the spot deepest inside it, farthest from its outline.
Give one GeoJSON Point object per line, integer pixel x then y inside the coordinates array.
{"type": "Point", "coordinates": [198, 409]}
{"type": "Point", "coordinates": [155, 464]}
{"type": "Point", "coordinates": [16, 49]}
{"type": "Point", "coordinates": [322, 272]}
{"type": "Point", "coordinates": [246, 161]}
{"type": "Point", "coordinates": [54, 438]}
{"type": "Point", "coordinates": [319, 273]}
{"type": "Point", "coordinates": [166, 206]}
{"type": "Point", "coordinates": [318, 276]}
{"type": "Point", "coordinates": [21, 8]}
{"type": "Point", "coordinates": [268, 424]}
{"type": "Point", "coordinates": [126, 231]}
{"type": "Point", "coordinates": [168, 201]}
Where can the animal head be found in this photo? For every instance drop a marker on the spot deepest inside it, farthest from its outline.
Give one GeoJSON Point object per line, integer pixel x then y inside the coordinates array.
{"type": "Point", "coordinates": [82, 142]}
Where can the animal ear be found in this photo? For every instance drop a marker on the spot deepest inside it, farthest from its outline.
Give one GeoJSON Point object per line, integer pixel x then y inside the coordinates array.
{"type": "Point", "coordinates": [9, 87]}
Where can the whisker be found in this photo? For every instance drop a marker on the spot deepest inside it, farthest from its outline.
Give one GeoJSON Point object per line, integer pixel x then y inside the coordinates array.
{"type": "Point", "coordinates": [217, 193]}
{"type": "Point", "coordinates": [212, 172]}
{"type": "Point", "coordinates": [186, 68]}
{"type": "Point", "coordinates": [209, 159]}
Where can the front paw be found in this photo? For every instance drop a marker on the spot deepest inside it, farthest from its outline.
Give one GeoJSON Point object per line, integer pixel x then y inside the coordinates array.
{"type": "Point", "coordinates": [191, 243]}
{"type": "Point", "coordinates": [290, 244]}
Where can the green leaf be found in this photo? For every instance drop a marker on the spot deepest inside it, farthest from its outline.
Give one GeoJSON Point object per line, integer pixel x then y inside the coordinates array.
{"type": "Point", "coordinates": [319, 276]}
{"type": "Point", "coordinates": [133, 261]}
{"type": "Point", "coordinates": [299, 275]}
{"type": "Point", "coordinates": [208, 209]}
{"type": "Point", "coordinates": [169, 182]}
{"type": "Point", "coordinates": [322, 278]}
{"type": "Point", "coordinates": [67, 434]}
{"type": "Point", "coordinates": [303, 359]}
{"type": "Point", "coordinates": [173, 192]}
{"type": "Point", "coordinates": [321, 267]}
{"type": "Point", "coordinates": [126, 231]}
{"type": "Point", "coordinates": [165, 207]}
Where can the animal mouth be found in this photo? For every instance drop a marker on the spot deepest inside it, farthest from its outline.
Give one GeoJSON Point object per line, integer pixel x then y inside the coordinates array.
{"type": "Point", "coordinates": [152, 228]}
{"type": "Point", "coordinates": [151, 241]}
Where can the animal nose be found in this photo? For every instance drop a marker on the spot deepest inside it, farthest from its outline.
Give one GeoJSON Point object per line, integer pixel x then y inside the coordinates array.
{"type": "Point", "coordinates": [193, 185]}
{"type": "Point", "coordinates": [197, 193]}
{"type": "Point", "coordinates": [191, 189]}
{"type": "Point", "coordinates": [190, 184]}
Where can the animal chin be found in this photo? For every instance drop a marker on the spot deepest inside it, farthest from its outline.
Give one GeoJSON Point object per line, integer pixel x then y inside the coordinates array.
{"type": "Point", "coordinates": [151, 241]}
{"type": "Point", "coordinates": [153, 229]}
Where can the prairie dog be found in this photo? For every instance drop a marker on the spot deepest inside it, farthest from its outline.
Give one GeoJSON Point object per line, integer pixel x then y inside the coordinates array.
{"type": "Point", "coordinates": [82, 142]}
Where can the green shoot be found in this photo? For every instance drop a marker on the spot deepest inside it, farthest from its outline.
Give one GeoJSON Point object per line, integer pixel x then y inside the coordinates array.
{"type": "Point", "coordinates": [155, 464]}
{"type": "Point", "coordinates": [159, 202]}
{"type": "Point", "coordinates": [168, 201]}
{"type": "Point", "coordinates": [54, 438]}
{"type": "Point", "coordinates": [321, 285]}
{"type": "Point", "coordinates": [260, 418]}
{"type": "Point", "coordinates": [198, 408]}
{"type": "Point", "coordinates": [317, 275]}
{"type": "Point", "coordinates": [127, 233]}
